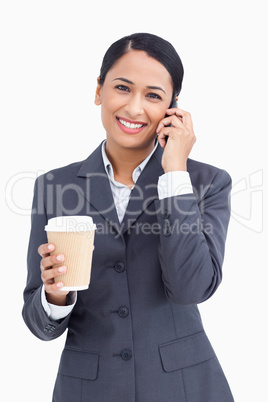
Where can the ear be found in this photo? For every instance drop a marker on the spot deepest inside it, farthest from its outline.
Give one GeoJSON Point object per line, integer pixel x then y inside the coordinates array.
{"type": "Point", "coordinates": [98, 93]}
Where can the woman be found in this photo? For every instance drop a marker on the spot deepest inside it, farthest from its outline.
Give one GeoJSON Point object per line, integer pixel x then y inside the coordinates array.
{"type": "Point", "coordinates": [136, 333]}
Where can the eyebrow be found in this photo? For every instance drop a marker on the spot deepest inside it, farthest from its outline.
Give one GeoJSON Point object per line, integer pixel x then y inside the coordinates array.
{"type": "Point", "coordinates": [132, 83]}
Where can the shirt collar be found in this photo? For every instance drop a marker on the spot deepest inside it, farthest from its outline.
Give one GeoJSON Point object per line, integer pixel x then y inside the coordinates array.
{"type": "Point", "coordinates": [136, 172]}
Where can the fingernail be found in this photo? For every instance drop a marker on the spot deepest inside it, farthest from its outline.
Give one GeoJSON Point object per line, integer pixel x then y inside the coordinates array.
{"type": "Point", "coordinates": [62, 269]}
{"type": "Point", "coordinates": [50, 247]}
{"type": "Point", "coordinates": [60, 257]}
{"type": "Point", "coordinates": [59, 285]}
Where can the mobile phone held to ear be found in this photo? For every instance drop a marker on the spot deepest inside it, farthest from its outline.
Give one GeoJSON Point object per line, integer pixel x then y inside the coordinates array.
{"type": "Point", "coordinates": [173, 104]}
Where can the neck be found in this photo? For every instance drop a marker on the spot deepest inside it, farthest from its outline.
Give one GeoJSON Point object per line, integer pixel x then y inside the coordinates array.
{"type": "Point", "coordinates": [125, 160]}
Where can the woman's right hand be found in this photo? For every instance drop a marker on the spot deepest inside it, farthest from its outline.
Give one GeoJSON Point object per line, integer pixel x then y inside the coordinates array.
{"type": "Point", "coordinates": [53, 293]}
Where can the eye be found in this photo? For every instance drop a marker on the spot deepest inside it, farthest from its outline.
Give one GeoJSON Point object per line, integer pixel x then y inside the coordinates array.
{"type": "Point", "coordinates": [154, 96]}
{"type": "Point", "coordinates": [122, 88]}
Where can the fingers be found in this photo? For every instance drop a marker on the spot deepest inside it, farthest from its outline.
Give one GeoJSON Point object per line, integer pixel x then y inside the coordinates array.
{"type": "Point", "coordinates": [178, 127]}
{"type": "Point", "coordinates": [163, 135]}
{"type": "Point", "coordinates": [54, 289]}
{"type": "Point", "coordinates": [48, 277]}
{"type": "Point", "coordinates": [51, 266]}
{"type": "Point", "coordinates": [179, 112]}
{"type": "Point", "coordinates": [184, 116]}
{"type": "Point", "coordinates": [178, 118]}
{"type": "Point", "coordinates": [45, 249]}
{"type": "Point", "coordinates": [167, 121]}
{"type": "Point", "coordinates": [50, 260]}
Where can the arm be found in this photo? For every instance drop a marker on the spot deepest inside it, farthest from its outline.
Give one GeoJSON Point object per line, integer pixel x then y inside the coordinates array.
{"type": "Point", "coordinates": [56, 312]}
{"type": "Point", "coordinates": [34, 314]}
{"type": "Point", "coordinates": [192, 241]}
{"type": "Point", "coordinates": [193, 227]}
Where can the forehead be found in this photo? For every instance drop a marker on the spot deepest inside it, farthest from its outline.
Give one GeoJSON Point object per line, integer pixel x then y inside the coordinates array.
{"type": "Point", "coordinates": [140, 68]}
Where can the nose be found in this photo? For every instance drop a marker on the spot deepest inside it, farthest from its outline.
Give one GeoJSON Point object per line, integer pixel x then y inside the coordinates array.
{"type": "Point", "coordinates": [134, 106]}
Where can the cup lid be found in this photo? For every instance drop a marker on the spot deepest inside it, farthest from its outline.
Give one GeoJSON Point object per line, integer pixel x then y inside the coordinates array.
{"type": "Point", "coordinates": [77, 223]}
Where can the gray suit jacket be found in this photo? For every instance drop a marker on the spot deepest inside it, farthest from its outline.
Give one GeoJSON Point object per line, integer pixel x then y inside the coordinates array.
{"type": "Point", "coordinates": [136, 334]}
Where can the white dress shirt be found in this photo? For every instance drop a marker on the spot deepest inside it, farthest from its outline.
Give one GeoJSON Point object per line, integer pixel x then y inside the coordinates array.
{"type": "Point", "coordinates": [169, 185]}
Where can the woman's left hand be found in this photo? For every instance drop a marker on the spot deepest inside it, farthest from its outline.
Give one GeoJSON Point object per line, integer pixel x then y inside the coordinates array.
{"type": "Point", "coordinates": [181, 139]}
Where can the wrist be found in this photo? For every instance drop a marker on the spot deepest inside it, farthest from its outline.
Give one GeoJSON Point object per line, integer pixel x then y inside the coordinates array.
{"type": "Point", "coordinates": [56, 300]}
{"type": "Point", "coordinates": [178, 167]}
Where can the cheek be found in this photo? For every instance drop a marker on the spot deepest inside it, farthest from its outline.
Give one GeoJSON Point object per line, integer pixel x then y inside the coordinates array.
{"type": "Point", "coordinates": [107, 107]}
{"type": "Point", "coordinates": [157, 115]}
{"type": "Point", "coordinates": [110, 104]}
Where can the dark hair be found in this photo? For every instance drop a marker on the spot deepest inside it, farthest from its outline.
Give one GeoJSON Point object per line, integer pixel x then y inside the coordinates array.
{"type": "Point", "coordinates": [154, 46]}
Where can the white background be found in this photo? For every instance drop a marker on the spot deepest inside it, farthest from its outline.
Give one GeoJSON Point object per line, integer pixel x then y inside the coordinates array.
{"type": "Point", "coordinates": [51, 53]}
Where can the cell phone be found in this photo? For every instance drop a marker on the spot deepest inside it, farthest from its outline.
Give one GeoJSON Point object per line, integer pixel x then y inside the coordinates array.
{"type": "Point", "coordinates": [173, 104]}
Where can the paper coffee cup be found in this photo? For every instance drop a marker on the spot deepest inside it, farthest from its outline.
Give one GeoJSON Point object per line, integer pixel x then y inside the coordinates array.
{"type": "Point", "coordinates": [73, 236]}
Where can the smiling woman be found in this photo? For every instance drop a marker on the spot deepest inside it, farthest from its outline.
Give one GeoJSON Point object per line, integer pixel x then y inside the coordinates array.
{"type": "Point", "coordinates": [135, 334]}
{"type": "Point", "coordinates": [128, 101]}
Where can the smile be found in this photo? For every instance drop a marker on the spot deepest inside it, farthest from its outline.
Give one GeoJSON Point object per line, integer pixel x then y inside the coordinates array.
{"type": "Point", "coordinates": [130, 127]}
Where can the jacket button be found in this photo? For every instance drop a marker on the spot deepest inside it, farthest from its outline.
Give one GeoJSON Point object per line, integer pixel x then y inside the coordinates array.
{"type": "Point", "coordinates": [126, 354]}
{"type": "Point", "coordinates": [166, 214]}
{"type": "Point", "coordinates": [166, 232]}
{"type": "Point", "coordinates": [119, 267]}
{"type": "Point", "coordinates": [166, 228]}
{"type": "Point", "coordinates": [123, 312]}
{"type": "Point", "coordinates": [50, 328]}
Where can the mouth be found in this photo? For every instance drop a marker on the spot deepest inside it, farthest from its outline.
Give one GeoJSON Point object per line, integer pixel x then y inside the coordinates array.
{"type": "Point", "coordinates": [130, 127]}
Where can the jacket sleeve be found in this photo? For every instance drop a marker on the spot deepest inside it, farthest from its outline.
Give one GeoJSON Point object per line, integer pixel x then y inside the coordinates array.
{"type": "Point", "coordinates": [193, 231]}
{"type": "Point", "coordinates": [33, 312]}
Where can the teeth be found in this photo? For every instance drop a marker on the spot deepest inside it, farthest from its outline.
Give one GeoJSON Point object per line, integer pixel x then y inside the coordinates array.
{"type": "Point", "coordinates": [130, 125]}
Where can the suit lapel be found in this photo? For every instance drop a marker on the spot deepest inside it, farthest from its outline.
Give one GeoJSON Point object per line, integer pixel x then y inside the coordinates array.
{"type": "Point", "coordinates": [95, 187]}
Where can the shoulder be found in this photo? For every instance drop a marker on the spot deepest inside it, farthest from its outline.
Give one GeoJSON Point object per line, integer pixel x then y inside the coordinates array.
{"type": "Point", "coordinates": [71, 172]}
{"type": "Point", "coordinates": [206, 175]}
{"type": "Point", "coordinates": [66, 171]}
{"type": "Point", "coordinates": [64, 174]}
